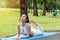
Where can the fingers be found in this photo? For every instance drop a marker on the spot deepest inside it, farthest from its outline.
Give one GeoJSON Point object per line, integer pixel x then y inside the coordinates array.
{"type": "Point", "coordinates": [32, 21]}
{"type": "Point", "coordinates": [16, 38]}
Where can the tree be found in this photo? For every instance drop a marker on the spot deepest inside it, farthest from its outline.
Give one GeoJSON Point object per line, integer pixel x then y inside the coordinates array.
{"type": "Point", "coordinates": [35, 13]}
{"type": "Point", "coordinates": [58, 5]}
{"type": "Point", "coordinates": [23, 8]}
{"type": "Point", "coordinates": [29, 4]}
{"type": "Point", "coordinates": [39, 4]}
{"type": "Point", "coordinates": [17, 4]}
{"type": "Point", "coordinates": [44, 8]}
{"type": "Point", "coordinates": [11, 3]}
{"type": "Point", "coordinates": [49, 5]}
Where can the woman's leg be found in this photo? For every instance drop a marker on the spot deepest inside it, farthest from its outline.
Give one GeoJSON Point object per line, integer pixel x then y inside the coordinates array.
{"type": "Point", "coordinates": [40, 28]}
{"type": "Point", "coordinates": [37, 32]}
{"type": "Point", "coordinates": [37, 25]}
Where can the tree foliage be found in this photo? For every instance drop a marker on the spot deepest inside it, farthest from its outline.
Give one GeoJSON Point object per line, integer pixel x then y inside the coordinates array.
{"type": "Point", "coordinates": [16, 3]}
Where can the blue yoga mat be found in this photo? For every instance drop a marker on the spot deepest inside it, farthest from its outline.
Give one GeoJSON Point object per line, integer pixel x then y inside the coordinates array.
{"type": "Point", "coordinates": [30, 38]}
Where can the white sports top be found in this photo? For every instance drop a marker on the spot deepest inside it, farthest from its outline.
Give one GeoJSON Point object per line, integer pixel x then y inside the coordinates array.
{"type": "Point", "coordinates": [23, 29]}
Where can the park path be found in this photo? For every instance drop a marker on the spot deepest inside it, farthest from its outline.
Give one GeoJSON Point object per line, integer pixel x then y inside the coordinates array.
{"type": "Point", "coordinates": [53, 37]}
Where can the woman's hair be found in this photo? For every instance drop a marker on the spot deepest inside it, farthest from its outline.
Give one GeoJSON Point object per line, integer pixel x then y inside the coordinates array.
{"type": "Point", "coordinates": [24, 14]}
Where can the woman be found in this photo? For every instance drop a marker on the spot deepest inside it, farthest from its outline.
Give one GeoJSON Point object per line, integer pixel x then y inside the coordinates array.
{"type": "Point", "coordinates": [27, 29]}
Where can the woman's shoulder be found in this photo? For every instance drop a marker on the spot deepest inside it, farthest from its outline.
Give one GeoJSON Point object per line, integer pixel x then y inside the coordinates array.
{"type": "Point", "coordinates": [28, 24]}
{"type": "Point", "coordinates": [19, 24]}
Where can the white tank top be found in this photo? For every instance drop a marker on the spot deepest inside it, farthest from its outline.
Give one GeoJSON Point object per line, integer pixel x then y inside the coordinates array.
{"type": "Point", "coordinates": [23, 29]}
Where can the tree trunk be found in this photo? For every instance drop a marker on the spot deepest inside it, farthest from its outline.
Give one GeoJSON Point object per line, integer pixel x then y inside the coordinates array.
{"type": "Point", "coordinates": [23, 8]}
{"type": "Point", "coordinates": [50, 8]}
{"type": "Point", "coordinates": [35, 12]}
{"type": "Point", "coordinates": [44, 8]}
{"type": "Point", "coordinates": [59, 11]}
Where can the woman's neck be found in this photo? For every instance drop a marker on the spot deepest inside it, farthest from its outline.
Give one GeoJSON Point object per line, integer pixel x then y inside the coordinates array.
{"type": "Point", "coordinates": [23, 23]}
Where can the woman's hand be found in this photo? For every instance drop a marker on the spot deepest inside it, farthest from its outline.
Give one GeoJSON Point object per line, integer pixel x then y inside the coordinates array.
{"type": "Point", "coordinates": [23, 37]}
{"type": "Point", "coordinates": [17, 38]}
{"type": "Point", "coordinates": [33, 22]}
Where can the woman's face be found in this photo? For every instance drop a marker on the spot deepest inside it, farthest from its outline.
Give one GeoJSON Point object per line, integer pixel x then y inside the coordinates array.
{"type": "Point", "coordinates": [23, 18]}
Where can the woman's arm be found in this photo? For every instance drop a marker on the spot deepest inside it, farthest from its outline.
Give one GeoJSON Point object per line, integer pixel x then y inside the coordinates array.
{"type": "Point", "coordinates": [18, 33]}
{"type": "Point", "coordinates": [18, 27]}
{"type": "Point", "coordinates": [28, 32]}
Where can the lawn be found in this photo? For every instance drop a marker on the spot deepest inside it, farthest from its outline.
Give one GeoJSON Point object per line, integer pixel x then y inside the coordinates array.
{"type": "Point", "coordinates": [9, 19]}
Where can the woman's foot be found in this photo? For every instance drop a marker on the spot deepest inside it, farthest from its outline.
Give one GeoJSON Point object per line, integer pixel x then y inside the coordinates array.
{"type": "Point", "coordinates": [33, 22]}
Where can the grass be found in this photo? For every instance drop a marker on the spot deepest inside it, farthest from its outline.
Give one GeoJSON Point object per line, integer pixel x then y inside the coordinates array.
{"type": "Point", "coordinates": [47, 22]}
{"type": "Point", "coordinates": [10, 18]}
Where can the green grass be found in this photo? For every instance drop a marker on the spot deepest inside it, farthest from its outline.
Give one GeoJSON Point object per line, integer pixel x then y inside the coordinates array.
{"type": "Point", "coordinates": [48, 22]}
{"type": "Point", "coordinates": [10, 18]}
{"type": "Point", "coordinates": [8, 22]}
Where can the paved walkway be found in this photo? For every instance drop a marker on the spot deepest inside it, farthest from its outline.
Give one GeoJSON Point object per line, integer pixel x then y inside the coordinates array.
{"type": "Point", "coordinates": [52, 30]}
{"type": "Point", "coordinates": [53, 37]}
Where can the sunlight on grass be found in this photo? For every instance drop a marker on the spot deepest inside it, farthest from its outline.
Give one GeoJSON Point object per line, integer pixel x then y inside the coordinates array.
{"type": "Point", "coordinates": [3, 3]}
{"type": "Point", "coordinates": [8, 22]}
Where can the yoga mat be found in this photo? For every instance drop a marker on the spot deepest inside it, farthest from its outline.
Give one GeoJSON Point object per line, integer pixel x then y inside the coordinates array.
{"type": "Point", "coordinates": [30, 38]}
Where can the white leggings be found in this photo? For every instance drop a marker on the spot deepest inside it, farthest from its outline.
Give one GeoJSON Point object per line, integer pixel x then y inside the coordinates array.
{"type": "Point", "coordinates": [38, 31]}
